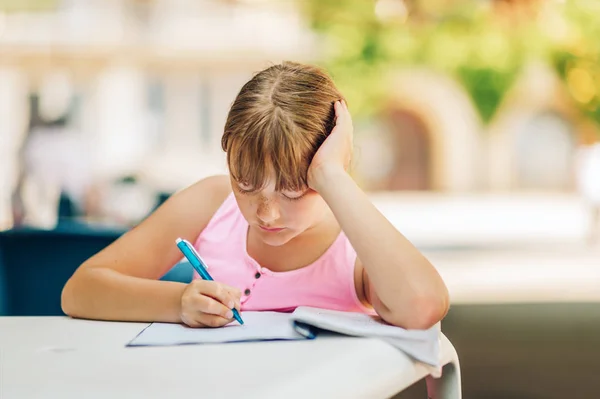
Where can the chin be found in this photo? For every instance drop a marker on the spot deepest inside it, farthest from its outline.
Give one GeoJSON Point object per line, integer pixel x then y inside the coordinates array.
{"type": "Point", "coordinates": [277, 239]}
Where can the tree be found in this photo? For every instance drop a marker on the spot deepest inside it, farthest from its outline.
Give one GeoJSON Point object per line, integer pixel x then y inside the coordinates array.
{"type": "Point", "coordinates": [483, 45]}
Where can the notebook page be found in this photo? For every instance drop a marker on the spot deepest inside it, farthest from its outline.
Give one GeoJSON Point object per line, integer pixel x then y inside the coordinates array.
{"type": "Point", "coordinates": [257, 326]}
{"type": "Point", "coordinates": [423, 345]}
{"type": "Point", "coordinates": [358, 324]}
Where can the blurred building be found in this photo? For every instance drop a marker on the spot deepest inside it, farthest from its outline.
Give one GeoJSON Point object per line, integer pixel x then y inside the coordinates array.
{"type": "Point", "coordinates": [430, 137]}
{"type": "Point", "coordinates": [94, 91]}
{"type": "Point", "coordinates": [114, 101]}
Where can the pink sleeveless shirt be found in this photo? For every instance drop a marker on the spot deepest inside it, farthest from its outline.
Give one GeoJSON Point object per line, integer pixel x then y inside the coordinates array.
{"type": "Point", "coordinates": [327, 283]}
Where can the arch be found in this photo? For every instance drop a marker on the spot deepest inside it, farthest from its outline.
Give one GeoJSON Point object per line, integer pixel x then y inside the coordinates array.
{"type": "Point", "coordinates": [544, 153]}
{"type": "Point", "coordinates": [411, 149]}
{"type": "Point", "coordinates": [450, 120]}
{"type": "Point", "coordinates": [535, 117]}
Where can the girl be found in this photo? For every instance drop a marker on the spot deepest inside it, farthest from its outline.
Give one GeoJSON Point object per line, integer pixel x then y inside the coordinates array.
{"type": "Point", "coordinates": [287, 227]}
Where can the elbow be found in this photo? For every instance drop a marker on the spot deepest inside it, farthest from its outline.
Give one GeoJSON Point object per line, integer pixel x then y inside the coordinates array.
{"type": "Point", "coordinates": [428, 311]}
{"type": "Point", "coordinates": [69, 301]}
{"type": "Point", "coordinates": [423, 312]}
{"type": "Point", "coordinates": [66, 298]}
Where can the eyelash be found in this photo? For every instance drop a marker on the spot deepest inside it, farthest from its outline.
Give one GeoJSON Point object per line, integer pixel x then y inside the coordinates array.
{"type": "Point", "coordinates": [248, 192]}
{"type": "Point", "coordinates": [293, 199]}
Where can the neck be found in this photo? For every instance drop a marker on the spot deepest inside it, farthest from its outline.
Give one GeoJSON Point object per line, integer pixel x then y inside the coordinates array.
{"type": "Point", "coordinates": [326, 231]}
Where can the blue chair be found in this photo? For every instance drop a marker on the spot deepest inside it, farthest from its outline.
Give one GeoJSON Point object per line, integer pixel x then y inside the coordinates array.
{"type": "Point", "coordinates": [35, 264]}
{"type": "Point", "coordinates": [182, 272]}
{"type": "Point", "coordinates": [3, 287]}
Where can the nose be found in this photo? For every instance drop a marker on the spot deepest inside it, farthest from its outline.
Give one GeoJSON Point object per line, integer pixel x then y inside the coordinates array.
{"type": "Point", "coordinates": [267, 211]}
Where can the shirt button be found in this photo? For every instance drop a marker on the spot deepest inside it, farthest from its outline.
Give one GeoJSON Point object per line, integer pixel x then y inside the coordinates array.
{"type": "Point", "coordinates": [257, 275]}
{"type": "Point", "coordinates": [247, 292]}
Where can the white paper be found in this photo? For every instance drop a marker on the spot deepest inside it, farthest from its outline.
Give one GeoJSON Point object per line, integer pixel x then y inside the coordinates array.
{"type": "Point", "coordinates": [359, 324]}
{"type": "Point", "coordinates": [257, 326]}
{"type": "Point", "coordinates": [423, 345]}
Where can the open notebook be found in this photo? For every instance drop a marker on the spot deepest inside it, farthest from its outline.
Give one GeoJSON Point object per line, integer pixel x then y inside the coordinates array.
{"type": "Point", "coordinates": [303, 323]}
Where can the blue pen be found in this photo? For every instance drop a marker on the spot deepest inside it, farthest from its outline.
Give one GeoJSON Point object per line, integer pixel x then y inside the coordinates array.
{"type": "Point", "coordinates": [198, 264]}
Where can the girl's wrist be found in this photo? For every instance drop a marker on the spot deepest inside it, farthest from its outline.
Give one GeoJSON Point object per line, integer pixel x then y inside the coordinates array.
{"type": "Point", "coordinates": [322, 176]}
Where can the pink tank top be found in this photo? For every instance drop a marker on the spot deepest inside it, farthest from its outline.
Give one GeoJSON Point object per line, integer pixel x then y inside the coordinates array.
{"type": "Point", "coordinates": [327, 283]}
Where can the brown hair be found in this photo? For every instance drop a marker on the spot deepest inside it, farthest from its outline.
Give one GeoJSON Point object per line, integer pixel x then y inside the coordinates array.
{"type": "Point", "coordinates": [277, 123]}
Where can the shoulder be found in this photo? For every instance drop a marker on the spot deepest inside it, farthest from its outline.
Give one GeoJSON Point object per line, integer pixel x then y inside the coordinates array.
{"type": "Point", "coordinates": [147, 250]}
{"type": "Point", "coordinates": [214, 189]}
{"type": "Point", "coordinates": [196, 204]}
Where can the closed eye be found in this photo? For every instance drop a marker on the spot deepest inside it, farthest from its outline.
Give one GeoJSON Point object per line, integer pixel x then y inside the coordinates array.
{"type": "Point", "coordinates": [294, 197]}
{"type": "Point", "coordinates": [291, 196]}
{"type": "Point", "coordinates": [247, 190]}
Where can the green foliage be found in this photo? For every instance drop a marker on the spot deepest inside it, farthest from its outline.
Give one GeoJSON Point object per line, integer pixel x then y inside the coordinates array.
{"type": "Point", "coordinates": [576, 57]}
{"type": "Point", "coordinates": [9, 6]}
{"type": "Point", "coordinates": [466, 39]}
{"type": "Point", "coordinates": [486, 87]}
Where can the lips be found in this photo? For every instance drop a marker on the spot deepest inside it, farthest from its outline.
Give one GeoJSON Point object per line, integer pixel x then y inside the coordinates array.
{"type": "Point", "coordinates": [271, 229]}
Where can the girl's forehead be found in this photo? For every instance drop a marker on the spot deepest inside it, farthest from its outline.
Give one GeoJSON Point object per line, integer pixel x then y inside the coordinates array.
{"type": "Point", "coordinates": [264, 171]}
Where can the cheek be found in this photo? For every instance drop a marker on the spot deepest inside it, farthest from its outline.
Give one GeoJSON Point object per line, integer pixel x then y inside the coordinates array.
{"type": "Point", "coordinates": [245, 204]}
{"type": "Point", "coordinates": [305, 212]}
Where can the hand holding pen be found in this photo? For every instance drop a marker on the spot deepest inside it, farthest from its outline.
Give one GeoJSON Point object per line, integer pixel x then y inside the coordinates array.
{"type": "Point", "coordinates": [205, 302]}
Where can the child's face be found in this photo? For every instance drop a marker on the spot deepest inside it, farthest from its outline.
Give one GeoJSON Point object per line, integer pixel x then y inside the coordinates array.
{"type": "Point", "coordinates": [278, 216]}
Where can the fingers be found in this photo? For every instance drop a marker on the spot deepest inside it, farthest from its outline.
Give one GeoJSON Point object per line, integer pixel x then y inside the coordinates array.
{"type": "Point", "coordinates": [338, 107]}
{"type": "Point", "coordinates": [213, 321]}
{"type": "Point", "coordinates": [228, 296]}
{"type": "Point", "coordinates": [207, 320]}
{"type": "Point", "coordinates": [342, 114]}
{"type": "Point", "coordinates": [237, 296]}
{"type": "Point", "coordinates": [203, 311]}
{"type": "Point", "coordinates": [348, 117]}
{"type": "Point", "coordinates": [209, 304]}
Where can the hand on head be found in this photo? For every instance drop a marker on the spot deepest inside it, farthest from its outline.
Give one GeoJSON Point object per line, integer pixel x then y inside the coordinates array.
{"type": "Point", "coordinates": [336, 150]}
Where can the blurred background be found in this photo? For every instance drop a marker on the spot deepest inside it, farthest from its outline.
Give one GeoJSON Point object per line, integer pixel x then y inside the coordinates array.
{"type": "Point", "coordinates": [477, 125]}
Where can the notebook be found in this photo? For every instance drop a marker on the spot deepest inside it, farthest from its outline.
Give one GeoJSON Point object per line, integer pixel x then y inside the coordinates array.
{"type": "Point", "coordinates": [303, 323]}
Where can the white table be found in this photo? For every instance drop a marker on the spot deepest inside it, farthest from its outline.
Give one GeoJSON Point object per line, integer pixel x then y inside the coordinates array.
{"type": "Point", "coordinates": [59, 357]}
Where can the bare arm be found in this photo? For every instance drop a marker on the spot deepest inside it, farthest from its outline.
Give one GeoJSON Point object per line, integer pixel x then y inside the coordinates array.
{"type": "Point", "coordinates": [400, 283]}
{"type": "Point", "coordinates": [120, 282]}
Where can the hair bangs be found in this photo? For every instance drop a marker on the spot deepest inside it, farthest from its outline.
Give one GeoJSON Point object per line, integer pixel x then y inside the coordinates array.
{"type": "Point", "coordinates": [270, 148]}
